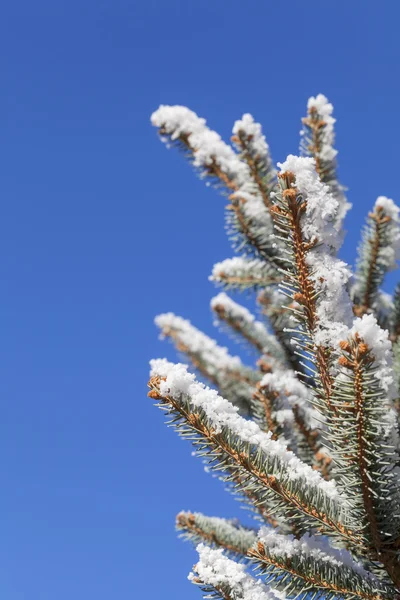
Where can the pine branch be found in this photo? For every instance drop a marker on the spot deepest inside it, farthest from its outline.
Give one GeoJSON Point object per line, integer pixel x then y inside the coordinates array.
{"type": "Point", "coordinates": [377, 253]}
{"type": "Point", "coordinates": [316, 279]}
{"type": "Point", "coordinates": [253, 148]}
{"type": "Point", "coordinates": [237, 447]}
{"type": "Point", "coordinates": [225, 372]}
{"type": "Point", "coordinates": [249, 221]}
{"type": "Point", "coordinates": [318, 137]}
{"type": "Point", "coordinates": [244, 273]}
{"type": "Point", "coordinates": [233, 538]}
{"type": "Point", "coordinates": [300, 568]}
{"type": "Point", "coordinates": [366, 427]}
{"type": "Point", "coordinates": [220, 577]}
{"type": "Point", "coordinates": [245, 327]}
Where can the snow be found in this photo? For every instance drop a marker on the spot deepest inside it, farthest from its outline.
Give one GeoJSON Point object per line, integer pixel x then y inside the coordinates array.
{"type": "Point", "coordinates": [327, 152]}
{"type": "Point", "coordinates": [318, 223]}
{"type": "Point", "coordinates": [227, 531]}
{"type": "Point", "coordinates": [222, 414]}
{"type": "Point", "coordinates": [330, 275]}
{"type": "Point", "coordinates": [248, 323]}
{"type": "Point", "coordinates": [333, 307]}
{"type": "Point", "coordinates": [209, 148]}
{"type": "Point", "coordinates": [390, 208]}
{"type": "Point", "coordinates": [215, 569]}
{"type": "Point", "coordinates": [294, 393]}
{"type": "Point", "coordinates": [317, 548]}
{"type": "Point", "coordinates": [378, 341]}
{"type": "Point", "coordinates": [325, 109]}
{"type": "Point", "coordinates": [241, 268]}
{"type": "Point", "coordinates": [217, 357]}
{"type": "Point", "coordinates": [253, 132]}
{"type": "Point", "coordinates": [207, 144]}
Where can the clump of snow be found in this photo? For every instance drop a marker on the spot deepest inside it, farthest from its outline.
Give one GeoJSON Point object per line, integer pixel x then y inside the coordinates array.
{"type": "Point", "coordinates": [178, 382]}
{"type": "Point", "coordinates": [327, 153]}
{"type": "Point", "coordinates": [318, 223]}
{"type": "Point", "coordinates": [377, 339]}
{"type": "Point", "coordinates": [253, 131]}
{"type": "Point", "coordinates": [330, 275]}
{"type": "Point", "coordinates": [317, 548]}
{"type": "Point", "coordinates": [390, 208]}
{"type": "Point", "coordinates": [217, 570]}
{"type": "Point", "coordinates": [333, 306]}
{"type": "Point", "coordinates": [324, 109]}
{"type": "Point", "coordinates": [206, 143]}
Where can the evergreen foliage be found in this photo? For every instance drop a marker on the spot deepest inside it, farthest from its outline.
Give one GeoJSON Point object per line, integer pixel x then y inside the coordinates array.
{"type": "Point", "coordinates": [307, 438]}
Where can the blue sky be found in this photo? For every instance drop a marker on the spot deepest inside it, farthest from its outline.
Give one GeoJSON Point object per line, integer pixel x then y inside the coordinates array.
{"type": "Point", "coordinates": [101, 228]}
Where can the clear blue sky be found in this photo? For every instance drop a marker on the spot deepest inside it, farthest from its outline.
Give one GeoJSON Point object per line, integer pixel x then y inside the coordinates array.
{"type": "Point", "coordinates": [101, 228]}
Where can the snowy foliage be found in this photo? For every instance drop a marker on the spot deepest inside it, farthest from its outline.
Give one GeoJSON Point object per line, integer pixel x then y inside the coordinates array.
{"type": "Point", "coordinates": [177, 382]}
{"type": "Point", "coordinates": [308, 437]}
{"type": "Point", "coordinates": [215, 570]}
{"type": "Point", "coordinates": [241, 273]}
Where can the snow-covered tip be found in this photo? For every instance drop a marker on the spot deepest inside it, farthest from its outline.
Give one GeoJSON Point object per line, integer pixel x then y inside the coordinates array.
{"type": "Point", "coordinates": [318, 221]}
{"type": "Point", "coordinates": [324, 109]}
{"type": "Point", "coordinates": [196, 342]}
{"type": "Point", "coordinates": [207, 146]}
{"type": "Point", "coordinates": [216, 570]}
{"type": "Point", "coordinates": [218, 532]}
{"type": "Point", "coordinates": [252, 131]}
{"type": "Point", "coordinates": [329, 274]}
{"type": "Point", "coordinates": [378, 342]}
{"type": "Point", "coordinates": [240, 272]}
{"type": "Point", "coordinates": [390, 254]}
{"type": "Point", "coordinates": [321, 123]}
{"type": "Point", "coordinates": [177, 120]}
{"type": "Point", "coordinates": [175, 381]}
{"type": "Point", "coordinates": [317, 548]}
{"type": "Point", "coordinates": [241, 321]}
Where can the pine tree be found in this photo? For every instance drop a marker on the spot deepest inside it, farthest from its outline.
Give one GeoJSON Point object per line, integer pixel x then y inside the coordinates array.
{"type": "Point", "coordinates": [307, 438]}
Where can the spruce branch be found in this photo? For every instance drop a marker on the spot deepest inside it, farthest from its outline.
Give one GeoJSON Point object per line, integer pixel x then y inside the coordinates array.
{"type": "Point", "coordinates": [309, 566]}
{"type": "Point", "coordinates": [316, 280]}
{"type": "Point", "coordinates": [227, 373]}
{"type": "Point", "coordinates": [249, 221]}
{"type": "Point", "coordinates": [235, 446]}
{"type": "Point", "coordinates": [320, 451]}
{"type": "Point", "coordinates": [366, 427]}
{"type": "Point", "coordinates": [377, 254]}
{"type": "Point", "coordinates": [233, 538]}
{"type": "Point", "coordinates": [243, 324]}
{"type": "Point", "coordinates": [243, 273]}
{"type": "Point", "coordinates": [251, 143]}
{"type": "Point", "coordinates": [317, 141]}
